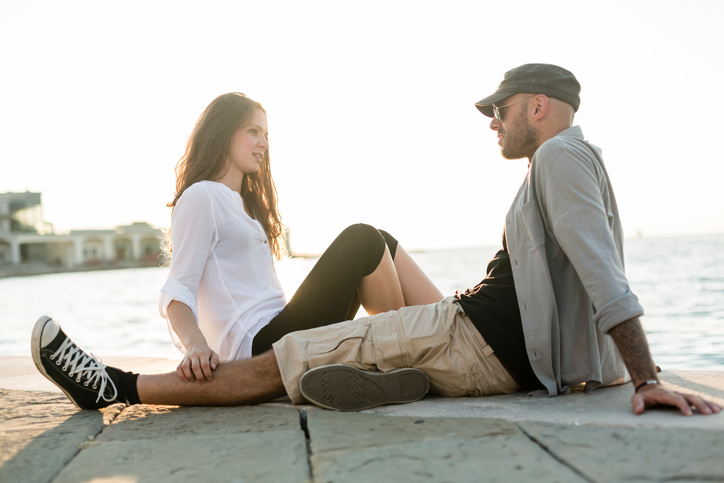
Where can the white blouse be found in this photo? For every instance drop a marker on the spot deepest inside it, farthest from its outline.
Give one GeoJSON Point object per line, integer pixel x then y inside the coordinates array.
{"type": "Point", "coordinates": [222, 268]}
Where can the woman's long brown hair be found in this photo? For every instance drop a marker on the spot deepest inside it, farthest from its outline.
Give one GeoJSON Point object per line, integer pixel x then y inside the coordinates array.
{"type": "Point", "coordinates": [205, 158]}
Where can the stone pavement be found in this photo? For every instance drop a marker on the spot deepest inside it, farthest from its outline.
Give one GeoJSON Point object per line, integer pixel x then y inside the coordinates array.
{"type": "Point", "coordinates": [579, 437]}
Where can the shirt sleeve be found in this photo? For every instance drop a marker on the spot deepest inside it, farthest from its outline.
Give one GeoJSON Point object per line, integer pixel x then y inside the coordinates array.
{"type": "Point", "coordinates": [193, 237]}
{"type": "Point", "coordinates": [573, 188]}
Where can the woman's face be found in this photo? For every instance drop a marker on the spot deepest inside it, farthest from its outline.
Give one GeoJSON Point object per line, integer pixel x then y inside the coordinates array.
{"type": "Point", "coordinates": [248, 145]}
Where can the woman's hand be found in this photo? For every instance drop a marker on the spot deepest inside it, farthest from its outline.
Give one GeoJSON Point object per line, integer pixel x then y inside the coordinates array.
{"type": "Point", "coordinates": [200, 360]}
{"type": "Point", "coordinates": [198, 364]}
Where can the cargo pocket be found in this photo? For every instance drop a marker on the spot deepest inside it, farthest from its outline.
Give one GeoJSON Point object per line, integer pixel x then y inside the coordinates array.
{"type": "Point", "coordinates": [476, 384]}
{"type": "Point", "coordinates": [471, 383]}
{"type": "Point", "coordinates": [344, 344]}
{"type": "Point", "coordinates": [479, 378]}
{"type": "Point", "coordinates": [452, 383]}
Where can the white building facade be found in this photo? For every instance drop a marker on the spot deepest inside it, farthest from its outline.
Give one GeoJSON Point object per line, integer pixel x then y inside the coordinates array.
{"type": "Point", "coordinates": [27, 242]}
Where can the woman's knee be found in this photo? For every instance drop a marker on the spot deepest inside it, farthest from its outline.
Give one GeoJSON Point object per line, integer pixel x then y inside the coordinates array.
{"type": "Point", "coordinates": [365, 241]}
{"type": "Point", "coordinates": [371, 236]}
{"type": "Point", "coordinates": [364, 235]}
{"type": "Point", "coordinates": [359, 230]}
{"type": "Point", "coordinates": [391, 242]}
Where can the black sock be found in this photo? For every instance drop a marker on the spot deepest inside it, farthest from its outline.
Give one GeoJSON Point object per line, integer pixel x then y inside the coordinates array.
{"type": "Point", "coordinates": [126, 386]}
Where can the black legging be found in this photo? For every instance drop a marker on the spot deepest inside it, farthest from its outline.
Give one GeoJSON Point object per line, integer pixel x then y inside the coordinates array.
{"type": "Point", "coordinates": [329, 293]}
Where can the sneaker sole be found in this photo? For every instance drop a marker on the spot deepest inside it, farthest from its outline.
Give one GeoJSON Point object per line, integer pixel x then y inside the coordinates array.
{"type": "Point", "coordinates": [35, 351]}
{"type": "Point", "coordinates": [345, 388]}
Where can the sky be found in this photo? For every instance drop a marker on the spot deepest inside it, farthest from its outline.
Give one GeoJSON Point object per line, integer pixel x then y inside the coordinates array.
{"type": "Point", "coordinates": [370, 107]}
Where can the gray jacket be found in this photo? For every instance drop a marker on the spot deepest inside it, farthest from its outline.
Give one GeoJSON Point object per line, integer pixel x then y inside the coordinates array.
{"type": "Point", "coordinates": [566, 250]}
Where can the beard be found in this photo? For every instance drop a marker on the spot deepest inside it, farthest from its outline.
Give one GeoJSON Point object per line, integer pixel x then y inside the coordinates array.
{"type": "Point", "coordinates": [521, 141]}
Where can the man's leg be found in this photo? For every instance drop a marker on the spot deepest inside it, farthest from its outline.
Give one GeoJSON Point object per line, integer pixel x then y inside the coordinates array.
{"type": "Point", "coordinates": [437, 340]}
{"type": "Point", "coordinates": [236, 383]}
{"type": "Point", "coordinates": [91, 385]}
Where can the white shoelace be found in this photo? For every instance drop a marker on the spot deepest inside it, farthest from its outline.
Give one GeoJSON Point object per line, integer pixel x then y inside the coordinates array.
{"type": "Point", "coordinates": [85, 366]}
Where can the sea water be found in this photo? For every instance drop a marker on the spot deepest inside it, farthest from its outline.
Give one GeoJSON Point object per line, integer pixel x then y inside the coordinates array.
{"type": "Point", "coordinates": [679, 281]}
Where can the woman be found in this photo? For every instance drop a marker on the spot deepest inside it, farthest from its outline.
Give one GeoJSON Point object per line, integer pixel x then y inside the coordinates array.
{"type": "Point", "coordinates": [223, 299]}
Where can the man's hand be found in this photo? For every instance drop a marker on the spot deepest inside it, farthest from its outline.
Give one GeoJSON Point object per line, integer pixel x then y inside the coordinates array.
{"type": "Point", "coordinates": [630, 339]}
{"type": "Point", "coordinates": [198, 364]}
{"type": "Point", "coordinates": [657, 395]}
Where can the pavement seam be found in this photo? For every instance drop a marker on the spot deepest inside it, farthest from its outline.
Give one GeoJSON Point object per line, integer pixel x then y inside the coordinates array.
{"type": "Point", "coordinates": [553, 455]}
{"type": "Point", "coordinates": [82, 446]}
{"type": "Point", "coordinates": [305, 428]}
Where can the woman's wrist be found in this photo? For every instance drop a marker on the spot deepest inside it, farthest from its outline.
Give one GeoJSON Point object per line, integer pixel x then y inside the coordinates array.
{"type": "Point", "coordinates": [195, 341]}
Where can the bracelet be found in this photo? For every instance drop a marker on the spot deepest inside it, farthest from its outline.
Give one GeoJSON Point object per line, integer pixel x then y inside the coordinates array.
{"type": "Point", "coordinates": [646, 383]}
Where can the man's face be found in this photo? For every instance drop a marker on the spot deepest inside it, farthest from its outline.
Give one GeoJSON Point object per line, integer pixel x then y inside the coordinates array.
{"type": "Point", "coordinates": [516, 138]}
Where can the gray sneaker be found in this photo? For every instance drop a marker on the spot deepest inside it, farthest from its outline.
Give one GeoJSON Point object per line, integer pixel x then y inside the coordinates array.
{"type": "Point", "coordinates": [80, 375]}
{"type": "Point", "coordinates": [346, 388]}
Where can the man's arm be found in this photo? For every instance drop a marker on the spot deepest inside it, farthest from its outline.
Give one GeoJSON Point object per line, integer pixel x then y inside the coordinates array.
{"type": "Point", "coordinates": [630, 339]}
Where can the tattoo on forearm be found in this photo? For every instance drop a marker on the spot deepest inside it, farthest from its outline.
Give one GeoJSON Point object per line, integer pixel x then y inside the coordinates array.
{"type": "Point", "coordinates": [630, 339]}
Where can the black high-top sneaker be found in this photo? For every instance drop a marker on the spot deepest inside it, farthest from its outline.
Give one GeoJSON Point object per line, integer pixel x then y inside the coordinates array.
{"type": "Point", "coordinates": [346, 388]}
{"type": "Point", "coordinates": [80, 375]}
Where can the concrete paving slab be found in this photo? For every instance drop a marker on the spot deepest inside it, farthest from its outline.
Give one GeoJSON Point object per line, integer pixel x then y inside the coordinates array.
{"type": "Point", "coordinates": [151, 422]}
{"type": "Point", "coordinates": [169, 443]}
{"type": "Point", "coordinates": [610, 406]}
{"type": "Point", "coordinates": [332, 431]}
{"type": "Point", "coordinates": [275, 456]}
{"type": "Point", "coordinates": [607, 454]}
{"type": "Point", "coordinates": [353, 447]}
{"type": "Point", "coordinates": [41, 432]}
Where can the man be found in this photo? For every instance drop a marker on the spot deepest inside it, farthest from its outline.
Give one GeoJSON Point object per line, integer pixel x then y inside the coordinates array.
{"type": "Point", "coordinates": [554, 309]}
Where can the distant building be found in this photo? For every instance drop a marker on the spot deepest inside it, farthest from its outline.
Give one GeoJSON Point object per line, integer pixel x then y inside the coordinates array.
{"type": "Point", "coordinates": [29, 245]}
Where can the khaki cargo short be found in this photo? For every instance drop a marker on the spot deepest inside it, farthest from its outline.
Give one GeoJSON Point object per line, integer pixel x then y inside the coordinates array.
{"type": "Point", "coordinates": [438, 339]}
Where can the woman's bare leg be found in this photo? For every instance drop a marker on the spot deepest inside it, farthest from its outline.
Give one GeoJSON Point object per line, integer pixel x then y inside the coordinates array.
{"type": "Point", "coordinates": [396, 284]}
{"type": "Point", "coordinates": [381, 291]}
{"type": "Point", "coordinates": [235, 383]}
{"type": "Point", "coordinates": [417, 288]}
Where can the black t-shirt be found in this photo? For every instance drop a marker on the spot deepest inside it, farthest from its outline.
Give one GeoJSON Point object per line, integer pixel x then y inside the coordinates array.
{"type": "Point", "coordinates": [493, 308]}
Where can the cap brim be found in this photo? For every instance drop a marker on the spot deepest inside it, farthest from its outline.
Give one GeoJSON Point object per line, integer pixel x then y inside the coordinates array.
{"type": "Point", "coordinates": [486, 105]}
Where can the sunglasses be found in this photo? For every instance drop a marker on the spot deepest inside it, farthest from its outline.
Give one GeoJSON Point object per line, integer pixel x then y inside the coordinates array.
{"type": "Point", "coordinates": [496, 109]}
